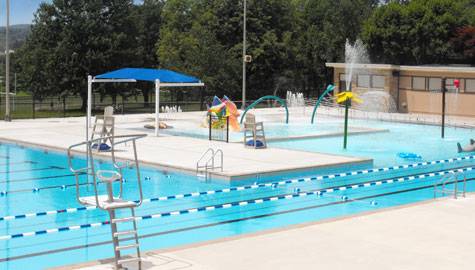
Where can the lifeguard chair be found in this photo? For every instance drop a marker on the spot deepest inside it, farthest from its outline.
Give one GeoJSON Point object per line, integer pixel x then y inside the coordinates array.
{"type": "Point", "coordinates": [104, 126]}
{"type": "Point", "coordinates": [254, 135]}
{"type": "Point", "coordinates": [105, 197]}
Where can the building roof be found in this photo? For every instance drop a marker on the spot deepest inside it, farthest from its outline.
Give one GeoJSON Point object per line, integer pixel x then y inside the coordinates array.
{"type": "Point", "coordinates": [425, 68]}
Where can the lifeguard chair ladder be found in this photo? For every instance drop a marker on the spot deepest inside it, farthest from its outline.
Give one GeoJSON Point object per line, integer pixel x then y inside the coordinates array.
{"type": "Point", "coordinates": [109, 201]}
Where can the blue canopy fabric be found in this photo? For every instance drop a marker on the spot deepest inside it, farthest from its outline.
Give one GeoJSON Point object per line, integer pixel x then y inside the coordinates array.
{"type": "Point", "coordinates": [150, 75]}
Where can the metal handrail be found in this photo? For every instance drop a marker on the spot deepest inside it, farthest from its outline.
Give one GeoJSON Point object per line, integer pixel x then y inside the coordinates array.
{"type": "Point", "coordinates": [221, 155]}
{"type": "Point", "coordinates": [198, 166]}
{"type": "Point", "coordinates": [210, 162]}
{"type": "Point", "coordinates": [452, 178]}
{"type": "Point", "coordinates": [90, 169]}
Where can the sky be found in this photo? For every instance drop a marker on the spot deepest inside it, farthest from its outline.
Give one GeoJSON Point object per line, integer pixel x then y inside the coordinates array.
{"type": "Point", "coordinates": [21, 11]}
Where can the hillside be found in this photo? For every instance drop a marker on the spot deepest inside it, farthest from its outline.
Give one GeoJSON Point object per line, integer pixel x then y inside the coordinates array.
{"type": "Point", "coordinates": [18, 35]}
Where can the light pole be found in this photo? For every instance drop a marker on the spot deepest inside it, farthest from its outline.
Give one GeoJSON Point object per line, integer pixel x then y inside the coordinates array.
{"type": "Point", "coordinates": [243, 106]}
{"type": "Point", "coordinates": [7, 66]}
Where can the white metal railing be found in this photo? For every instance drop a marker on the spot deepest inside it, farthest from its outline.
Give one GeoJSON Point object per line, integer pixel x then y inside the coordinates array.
{"type": "Point", "coordinates": [207, 162]}
{"type": "Point", "coordinates": [446, 182]}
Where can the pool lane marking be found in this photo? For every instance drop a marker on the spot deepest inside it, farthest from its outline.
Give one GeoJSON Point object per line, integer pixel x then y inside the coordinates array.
{"type": "Point", "coordinates": [196, 194]}
{"type": "Point", "coordinates": [35, 169]}
{"type": "Point", "coordinates": [18, 162]}
{"type": "Point", "coordinates": [230, 221]}
{"type": "Point", "coordinates": [221, 206]}
{"type": "Point", "coordinates": [274, 184]}
{"type": "Point", "coordinates": [209, 225]}
{"type": "Point", "coordinates": [37, 178]}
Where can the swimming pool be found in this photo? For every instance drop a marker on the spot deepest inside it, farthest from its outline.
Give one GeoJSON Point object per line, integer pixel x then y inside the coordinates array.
{"type": "Point", "coordinates": [383, 147]}
{"type": "Point", "coordinates": [274, 130]}
{"type": "Point", "coordinates": [43, 225]}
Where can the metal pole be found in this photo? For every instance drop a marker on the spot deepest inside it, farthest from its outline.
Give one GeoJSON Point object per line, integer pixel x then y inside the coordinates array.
{"type": "Point", "coordinates": [209, 126]}
{"type": "Point", "coordinates": [227, 129]}
{"type": "Point", "coordinates": [444, 90]}
{"type": "Point", "coordinates": [14, 95]}
{"type": "Point", "coordinates": [89, 101]}
{"type": "Point", "coordinates": [345, 135]}
{"type": "Point", "coordinates": [7, 66]}
{"type": "Point", "coordinates": [157, 106]}
{"type": "Point", "coordinates": [243, 106]}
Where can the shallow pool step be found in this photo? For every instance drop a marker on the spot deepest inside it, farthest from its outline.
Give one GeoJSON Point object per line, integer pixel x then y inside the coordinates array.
{"type": "Point", "coordinates": [132, 232]}
{"type": "Point", "coordinates": [126, 247]}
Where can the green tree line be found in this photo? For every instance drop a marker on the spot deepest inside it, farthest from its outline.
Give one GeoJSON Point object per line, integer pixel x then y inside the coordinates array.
{"type": "Point", "coordinates": [289, 41]}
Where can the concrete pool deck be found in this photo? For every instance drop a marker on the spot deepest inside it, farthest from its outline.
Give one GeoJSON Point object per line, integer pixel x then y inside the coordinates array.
{"type": "Point", "coordinates": [175, 152]}
{"type": "Point", "coordinates": [437, 234]}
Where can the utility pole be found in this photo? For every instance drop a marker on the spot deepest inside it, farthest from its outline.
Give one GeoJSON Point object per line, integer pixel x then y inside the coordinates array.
{"type": "Point", "coordinates": [7, 66]}
{"type": "Point", "coordinates": [243, 106]}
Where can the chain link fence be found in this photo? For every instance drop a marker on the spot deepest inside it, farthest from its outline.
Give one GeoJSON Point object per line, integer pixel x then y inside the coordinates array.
{"type": "Point", "coordinates": [25, 107]}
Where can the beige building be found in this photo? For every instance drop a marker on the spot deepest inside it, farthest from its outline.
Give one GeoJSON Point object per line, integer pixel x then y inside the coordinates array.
{"type": "Point", "coordinates": [412, 88]}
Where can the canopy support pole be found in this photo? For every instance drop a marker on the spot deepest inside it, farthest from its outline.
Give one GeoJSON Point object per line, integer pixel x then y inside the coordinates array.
{"type": "Point", "coordinates": [157, 106]}
{"type": "Point", "coordinates": [89, 100]}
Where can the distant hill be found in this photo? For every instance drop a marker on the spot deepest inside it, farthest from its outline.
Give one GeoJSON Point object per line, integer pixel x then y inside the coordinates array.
{"type": "Point", "coordinates": [18, 34]}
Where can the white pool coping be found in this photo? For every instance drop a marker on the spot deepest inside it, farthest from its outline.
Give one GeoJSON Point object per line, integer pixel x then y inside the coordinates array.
{"type": "Point", "coordinates": [436, 234]}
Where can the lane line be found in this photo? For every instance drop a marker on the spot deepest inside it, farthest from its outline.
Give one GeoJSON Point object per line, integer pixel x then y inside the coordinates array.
{"type": "Point", "coordinates": [209, 225]}
{"type": "Point", "coordinates": [209, 208]}
{"type": "Point", "coordinates": [33, 170]}
{"type": "Point", "coordinates": [239, 188]}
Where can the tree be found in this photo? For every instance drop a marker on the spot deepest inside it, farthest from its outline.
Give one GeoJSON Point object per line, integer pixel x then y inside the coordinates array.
{"type": "Point", "coordinates": [72, 39]}
{"type": "Point", "coordinates": [188, 43]}
{"type": "Point", "coordinates": [464, 44]}
{"type": "Point", "coordinates": [148, 20]}
{"type": "Point", "coordinates": [325, 27]}
{"type": "Point", "coordinates": [414, 33]}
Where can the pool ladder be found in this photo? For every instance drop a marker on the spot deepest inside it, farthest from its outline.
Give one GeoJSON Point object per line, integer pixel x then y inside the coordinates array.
{"type": "Point", "coordinates": [454, 179]}
{"type": "Point", "coordinates": [111, 202]}
{"type": "Point", "coordinates": [207, 163]}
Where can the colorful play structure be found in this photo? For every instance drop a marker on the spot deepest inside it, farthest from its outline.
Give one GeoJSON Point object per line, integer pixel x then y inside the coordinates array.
{"type": "Point", "coordinates": [224, 110]}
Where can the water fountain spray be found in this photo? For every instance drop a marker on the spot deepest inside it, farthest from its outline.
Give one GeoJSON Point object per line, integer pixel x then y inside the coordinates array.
{"type": "Point", "coordinates": [353, 54]}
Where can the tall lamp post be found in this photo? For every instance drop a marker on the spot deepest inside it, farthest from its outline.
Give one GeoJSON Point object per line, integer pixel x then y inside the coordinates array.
{"type": "Point", "coordinates": [243, 106]}
{"type": "Point", "coordinates": [7, 66]}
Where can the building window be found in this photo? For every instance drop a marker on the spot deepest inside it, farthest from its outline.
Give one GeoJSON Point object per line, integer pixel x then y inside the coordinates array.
{"type": "Point", "coordinates": [418, 83]}
{"type": "Point", "coordinates": [405, 82]}
{"type": "Point", "coordinates": [435, 84]}
{"type": "Point", "coordinates": [470, 85]}
{"type": "Point", "coordinates": [363, 81]}
{"type": "Point", "coordinates": [378, 81]}
{"type": "Point", "coordinates": [449, 83]}
{"type": "Point", "coordinates": [342, 82]}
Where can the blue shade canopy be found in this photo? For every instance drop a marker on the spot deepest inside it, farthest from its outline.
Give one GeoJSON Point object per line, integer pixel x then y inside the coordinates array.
{"type": "Point", "coordinates": [149, 74]}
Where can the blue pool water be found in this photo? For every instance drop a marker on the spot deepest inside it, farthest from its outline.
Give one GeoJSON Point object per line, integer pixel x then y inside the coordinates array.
{"type": "Point", "coordinates": [36, 181]}
{"type": "Point", "coordinates": [272, 130]}
{"type": "Point", "coordinates": [383, 147]}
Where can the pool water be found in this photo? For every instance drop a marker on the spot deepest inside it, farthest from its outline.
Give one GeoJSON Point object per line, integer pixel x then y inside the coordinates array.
{"type": "Point", "coordinates": [384, 147]}
{"type": "Point", "coordinates": [39, 182]}
{"type": "Point", "coordinates": [273, 130]}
